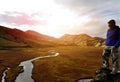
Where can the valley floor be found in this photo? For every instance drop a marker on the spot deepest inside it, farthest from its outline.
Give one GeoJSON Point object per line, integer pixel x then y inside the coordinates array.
{"type": "Point", "coordinates": [72, 64]}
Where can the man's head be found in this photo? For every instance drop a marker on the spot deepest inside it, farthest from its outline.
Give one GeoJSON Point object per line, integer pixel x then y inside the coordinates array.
{"type": "Point", "coordinates": [112, 24]}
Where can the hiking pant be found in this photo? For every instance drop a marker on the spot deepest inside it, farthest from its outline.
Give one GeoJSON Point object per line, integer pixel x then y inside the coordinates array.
{"type": "Point", "coordinates": [114, 53]}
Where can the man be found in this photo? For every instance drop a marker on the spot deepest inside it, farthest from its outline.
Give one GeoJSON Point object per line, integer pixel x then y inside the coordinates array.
{"type": "Point", "coordinates": [112, 45]}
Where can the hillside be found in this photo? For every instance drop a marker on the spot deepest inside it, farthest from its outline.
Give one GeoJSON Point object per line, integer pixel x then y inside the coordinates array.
{"type": "Point", "coordinates": [16, 36]}
{"type": "Point", "coordinates": [40, 36]}
{"type": "Point", "coordinates": [83, 40]}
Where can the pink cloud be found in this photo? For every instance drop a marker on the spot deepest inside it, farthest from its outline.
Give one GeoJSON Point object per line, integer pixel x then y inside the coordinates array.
{"type": "Point", "coordinates": [18, 19]}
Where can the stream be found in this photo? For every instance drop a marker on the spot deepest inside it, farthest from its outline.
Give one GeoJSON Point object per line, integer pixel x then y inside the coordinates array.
{"type": "Point", "coordinates": [28, 66]}
{"type": "Point", "coordinates": [85, 80]}
{"type": "Point", "coordinates": [4, 74]}
{"type": "Point", "coordinates": [26, 76]}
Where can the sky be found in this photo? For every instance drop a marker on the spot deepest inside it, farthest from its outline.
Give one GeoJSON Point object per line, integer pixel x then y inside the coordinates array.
{"type": "Point", "coordinates": [58, 17]}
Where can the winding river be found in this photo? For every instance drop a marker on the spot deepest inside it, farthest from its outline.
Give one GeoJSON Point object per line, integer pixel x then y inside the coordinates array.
{"type": "Point", "coordinates": [26, 76]}
{"type": "Point", "coordinates": [85, 80]}
{"type": "Point", "coordinates": [28, 66]}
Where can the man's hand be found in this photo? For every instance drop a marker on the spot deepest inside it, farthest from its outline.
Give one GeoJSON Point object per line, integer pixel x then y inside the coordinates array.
{"type": "Point", "coordinates": [112, 47]}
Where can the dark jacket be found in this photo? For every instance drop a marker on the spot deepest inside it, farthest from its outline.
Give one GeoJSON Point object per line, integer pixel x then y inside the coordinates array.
{"type": "Point", "coordinates": [113, 37]}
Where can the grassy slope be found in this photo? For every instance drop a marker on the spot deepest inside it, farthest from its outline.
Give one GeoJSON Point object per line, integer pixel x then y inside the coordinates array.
{"type": "Point", "coordinates": [72, 63]}
{"type": "Point", "coordinates": [4, 42]}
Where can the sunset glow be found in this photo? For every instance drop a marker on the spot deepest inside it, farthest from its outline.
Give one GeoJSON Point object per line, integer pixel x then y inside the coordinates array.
{"type": "Point", "coordinates": [56, 17]}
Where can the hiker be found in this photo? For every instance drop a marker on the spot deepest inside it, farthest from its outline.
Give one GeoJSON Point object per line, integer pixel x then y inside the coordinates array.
{"type": "Point", "coordinates": [111, 46]}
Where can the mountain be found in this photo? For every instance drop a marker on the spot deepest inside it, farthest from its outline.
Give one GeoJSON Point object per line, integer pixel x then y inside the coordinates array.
{"type": "Point", "coordinates": [40, 36]}
{"type": "Point", "coordinates": [15, 37]}
{"type": "Point", "coordinates": [46, 38]}
{"type": "Point", "coordinates": [18, 38]}
{"type": "Point", "coordinates": [83, 40]}
{"type": "Point", "coordinates": [7, 40]}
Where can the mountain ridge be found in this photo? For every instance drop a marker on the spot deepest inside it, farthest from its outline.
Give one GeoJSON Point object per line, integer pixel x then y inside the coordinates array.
{"type": "Point", "coordinates": [83, 40]}
{"type": "Point", "coordinates": [35, 39]}
{"type": "Point", "coordinates": [18, 36]}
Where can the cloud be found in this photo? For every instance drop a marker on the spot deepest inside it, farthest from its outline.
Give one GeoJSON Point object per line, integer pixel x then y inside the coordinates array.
{"type": "Point", "coordinates": [60, 16]}
{"type": "Point", "coordinates": [93, 28]}
{"type": "Point", "coordinates": [92, 7]}
{"type": "Point", "coordinates": [18, 19]}
{"type": "Point", "coordinates": [100, 12]}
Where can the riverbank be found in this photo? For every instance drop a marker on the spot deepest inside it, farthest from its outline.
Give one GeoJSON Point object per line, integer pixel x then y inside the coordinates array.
{"type": "Point", "coordinates": [12, 73]}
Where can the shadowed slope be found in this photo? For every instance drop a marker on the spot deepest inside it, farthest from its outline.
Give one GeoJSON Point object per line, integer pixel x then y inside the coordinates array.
{"type": "Point", "coordinates": [21, 37]}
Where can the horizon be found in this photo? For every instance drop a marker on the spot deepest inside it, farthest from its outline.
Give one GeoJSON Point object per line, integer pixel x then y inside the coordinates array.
{"type": "Point", "coordinates": [58, 17]}
{"type": "Point", "coordinates": [52, 36]}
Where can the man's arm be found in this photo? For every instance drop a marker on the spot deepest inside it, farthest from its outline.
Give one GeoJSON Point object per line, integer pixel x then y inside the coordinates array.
{"type": "Point", "coordinates": [118, 42]}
